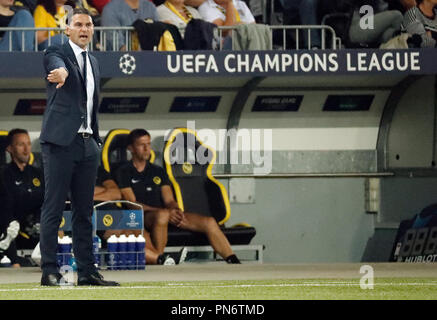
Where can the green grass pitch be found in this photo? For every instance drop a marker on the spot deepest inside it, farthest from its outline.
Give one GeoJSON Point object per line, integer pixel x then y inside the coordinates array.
{"type": "Point", "coordinates": [286, 289]}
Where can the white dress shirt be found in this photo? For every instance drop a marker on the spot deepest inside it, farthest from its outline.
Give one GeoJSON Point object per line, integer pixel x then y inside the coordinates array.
{"type": "Point", "coordinates": [89, 85]}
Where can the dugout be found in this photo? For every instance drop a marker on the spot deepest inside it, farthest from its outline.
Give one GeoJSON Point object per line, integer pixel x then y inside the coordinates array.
{"type": "Point", "coordinates": [349, 135]}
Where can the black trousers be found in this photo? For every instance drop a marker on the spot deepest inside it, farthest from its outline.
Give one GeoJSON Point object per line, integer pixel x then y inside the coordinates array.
{"type": "Point", "coordinates": [72, 168]}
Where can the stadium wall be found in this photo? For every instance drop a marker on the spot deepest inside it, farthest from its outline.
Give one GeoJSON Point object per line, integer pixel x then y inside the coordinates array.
{"type": "Point", "coordinates": [311, 207]}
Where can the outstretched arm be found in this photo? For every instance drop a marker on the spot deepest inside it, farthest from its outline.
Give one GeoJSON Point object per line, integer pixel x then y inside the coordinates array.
{"type": "Point", "coordinates": [55, 67]}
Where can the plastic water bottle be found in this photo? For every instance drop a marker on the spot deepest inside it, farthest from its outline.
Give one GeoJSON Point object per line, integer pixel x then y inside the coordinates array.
{"type": "Point", "coordinates": [122, 249]}
{"type": "Point", "coordinates": [131, 261]}
{"type": "Point", "coordinates": [72, 263]}
{"type": "Point", "coordinates": [112, 252]}
{"type": "Point", "coordinates": [97, 245]}
{"type": "Point", "coordinates": [64, 250]}
{"type": "Point", "coordinates": [59, 256]}
{"type": "Point", "coordinates": [69, 247]}
{"type": "Point", "coordinates": [140, 245]}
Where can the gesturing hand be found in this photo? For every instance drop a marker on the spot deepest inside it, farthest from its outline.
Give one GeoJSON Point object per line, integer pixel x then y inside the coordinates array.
{"type": "Point", "coordinates": [58, 76]}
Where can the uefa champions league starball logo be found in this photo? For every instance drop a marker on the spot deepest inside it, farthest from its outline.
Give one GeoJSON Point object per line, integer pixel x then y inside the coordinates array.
{"type": "Point", "coordinates": [132, 223]}
{"type": "Point", "coordinates": [127, 64]}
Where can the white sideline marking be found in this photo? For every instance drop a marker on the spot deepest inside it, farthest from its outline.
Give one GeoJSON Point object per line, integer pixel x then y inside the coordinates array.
{"type": "Point", "coordinates": [180, 285]}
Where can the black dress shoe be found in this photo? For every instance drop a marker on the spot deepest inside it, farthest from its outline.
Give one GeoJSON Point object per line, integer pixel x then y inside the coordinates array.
{"type": "Point", "coordinates": [95, 279]}
{"type": "Point", "coordinates": [54, 280]}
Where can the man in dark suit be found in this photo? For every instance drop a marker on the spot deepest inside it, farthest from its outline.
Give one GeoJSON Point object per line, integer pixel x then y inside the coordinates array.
{"type": "Point", "coordinates": [70, 146]}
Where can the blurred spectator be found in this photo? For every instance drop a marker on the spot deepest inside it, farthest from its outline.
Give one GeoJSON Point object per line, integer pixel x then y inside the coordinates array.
{"type": "Point", "coordinates": [123, 13]}
{"type": "Point", "coordinates": [100, 4]}
{"type": "Point", "coordinates": [422, 21]}
{"type": "Point", "coordinates": [26, 4]}
{"type": "Point", "coordinates": [14, 17]}
{"type": "Point", "coordinates": [194, 3]}
{"type": "Point", "coordinates": [401, 5]}
{"type": "Point", "coordinates": [91, 9]}
{"type": "Point", "coordinates": [177, 13]}
{"type": "Point", "coordinates": [306, 12]}
{"type": "Point", "coordinates": [226, 12]}
{"type": "Point", "coordinates": [257, 9]}
{"type": "Point", "coordinates": [386, 23]}
{"type": "Point", "coordinates": [25, 188]}
{"type": "Point", "coordinates": [191, 3]}
{"type": "Point", "coordinates": [51, 14]}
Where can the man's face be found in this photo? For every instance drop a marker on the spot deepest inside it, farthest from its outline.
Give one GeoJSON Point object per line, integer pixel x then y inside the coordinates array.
{"type": "Point", "coordinates": [80, 30]}
{"type": "Point", "coordinates": [141, 148]}
{"type": "Point", "coordinates": [20, 148]}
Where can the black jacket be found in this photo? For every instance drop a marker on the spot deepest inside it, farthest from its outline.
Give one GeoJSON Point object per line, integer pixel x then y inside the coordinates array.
{"type": "Point", "coordinates": [150, 33]}
{"type": "Point", "coordinates": [199, 35]}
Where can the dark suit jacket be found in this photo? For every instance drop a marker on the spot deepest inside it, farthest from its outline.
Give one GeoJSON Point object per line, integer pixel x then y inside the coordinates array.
{"type": "Point", "coordinates": [66, 106]}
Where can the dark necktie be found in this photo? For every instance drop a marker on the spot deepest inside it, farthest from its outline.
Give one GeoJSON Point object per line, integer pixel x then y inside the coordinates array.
{"type": "Point", "coordinates": [85, 124]}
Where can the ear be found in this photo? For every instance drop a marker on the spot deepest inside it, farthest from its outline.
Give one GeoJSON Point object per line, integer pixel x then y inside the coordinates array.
{"type": "Point", "coordinates": [8, 149]}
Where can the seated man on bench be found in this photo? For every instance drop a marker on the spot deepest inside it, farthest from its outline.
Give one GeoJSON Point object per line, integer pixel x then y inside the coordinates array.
{"type": "Point", "coordinates": [148, 185]}
{"type": "Point", "coordinates": [106, 189]}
